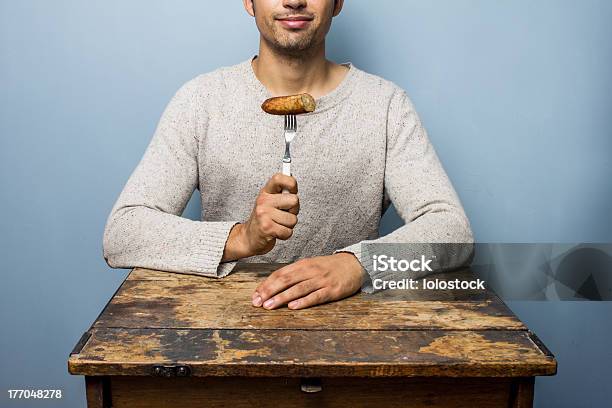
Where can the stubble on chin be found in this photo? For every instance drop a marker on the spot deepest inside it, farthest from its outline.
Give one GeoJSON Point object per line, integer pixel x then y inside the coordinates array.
{"type": "Point", "coordinates": [292, 45]}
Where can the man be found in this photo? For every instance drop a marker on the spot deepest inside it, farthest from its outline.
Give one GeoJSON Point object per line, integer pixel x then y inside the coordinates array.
{"type": "Point", "coordinates": [363, 148]}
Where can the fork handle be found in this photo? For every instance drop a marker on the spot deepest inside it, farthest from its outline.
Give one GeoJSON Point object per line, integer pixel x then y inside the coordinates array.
{"type": "Point", "coordinates": [286, 172]}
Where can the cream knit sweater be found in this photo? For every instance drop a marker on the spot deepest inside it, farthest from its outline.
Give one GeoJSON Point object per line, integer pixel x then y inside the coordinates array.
{"type": "Point", "coordinates": [363, 148]}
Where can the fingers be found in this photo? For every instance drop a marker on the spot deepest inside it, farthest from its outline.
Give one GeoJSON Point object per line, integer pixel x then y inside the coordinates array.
{"type": "Point", "coordinates": [279, 181]}
{"type": "Point", "coordinates": [278, 281]}
{"type": "Point", "coordinates": [287, 201]}
{"type": "Point", "coordinates": [317, 297]}
{"type": "Point", "coordinates": [272, 229]}
{"type": "Point", "coordinates": [290, 202]}
{"type": "Point", "coordinates": [276, 223]}
{"type": "Point", "coordinates": [296, 291]}
{"type": "Point", "coordinates": [284, 218]}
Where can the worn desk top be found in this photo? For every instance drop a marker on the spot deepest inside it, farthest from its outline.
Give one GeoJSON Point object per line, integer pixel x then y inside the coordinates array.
{"type": "Point", "coordinates": [159, 317]}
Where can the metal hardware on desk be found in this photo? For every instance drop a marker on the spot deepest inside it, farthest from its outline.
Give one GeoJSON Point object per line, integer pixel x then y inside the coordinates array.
{"type": "Point", "coordinates": [171, 371]}
{"type": "Point", "coordinates": [311, 385]}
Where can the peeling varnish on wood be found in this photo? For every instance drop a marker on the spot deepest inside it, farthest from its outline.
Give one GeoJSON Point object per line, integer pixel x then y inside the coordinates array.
{"type": "Point", "coordinates": [227, 351]}
{"type": "Point", "coordinates": [148, 345]}
{"type": "Point", "coordinates": [471, 346]}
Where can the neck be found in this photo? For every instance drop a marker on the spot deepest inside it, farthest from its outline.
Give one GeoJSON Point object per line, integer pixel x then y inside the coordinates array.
{"type": "Point", "coordinates": [284, 74]}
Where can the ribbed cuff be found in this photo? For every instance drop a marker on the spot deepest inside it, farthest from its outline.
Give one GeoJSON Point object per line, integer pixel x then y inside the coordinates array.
{"type": "Point", "coordinates": [207, 259]}
{"type": "Point", "coordinates": [225, 268]}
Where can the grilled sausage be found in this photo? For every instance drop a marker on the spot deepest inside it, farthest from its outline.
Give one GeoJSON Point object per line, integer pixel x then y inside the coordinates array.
{"type": "Point", "coordinates": [289, 105]}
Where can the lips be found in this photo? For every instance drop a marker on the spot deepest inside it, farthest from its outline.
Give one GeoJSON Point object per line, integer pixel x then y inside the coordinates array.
{"type": "Point", "coordinates": [295, 22]}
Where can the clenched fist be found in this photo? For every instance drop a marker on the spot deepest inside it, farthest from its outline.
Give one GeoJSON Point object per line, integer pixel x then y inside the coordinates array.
{"type": "Point", "coordinates": [273, 217]}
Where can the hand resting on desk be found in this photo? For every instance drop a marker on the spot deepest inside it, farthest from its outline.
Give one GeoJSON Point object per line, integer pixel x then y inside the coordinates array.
{"type": "Point", "coordinates": [311, 281]}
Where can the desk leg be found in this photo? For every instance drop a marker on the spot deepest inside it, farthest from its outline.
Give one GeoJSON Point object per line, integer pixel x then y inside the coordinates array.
{"type": "Point", "coordinates": [97, 390]}
{"type": "Point", "coordinates": [522, 392]}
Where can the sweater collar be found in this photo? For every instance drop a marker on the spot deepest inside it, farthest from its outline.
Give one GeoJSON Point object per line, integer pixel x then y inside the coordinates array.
{"type": "Point", "coordinates": [324, 102]}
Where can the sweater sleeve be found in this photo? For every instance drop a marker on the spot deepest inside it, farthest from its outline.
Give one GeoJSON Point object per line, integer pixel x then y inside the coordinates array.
{"type": "Point", "coordinates": [415, 182]}
{"type": "Point", "coordinates": [145, 228]}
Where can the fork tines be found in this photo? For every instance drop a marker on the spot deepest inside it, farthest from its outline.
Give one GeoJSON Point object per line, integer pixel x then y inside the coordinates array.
{"type": "Point", "coordinates": [290, 122]}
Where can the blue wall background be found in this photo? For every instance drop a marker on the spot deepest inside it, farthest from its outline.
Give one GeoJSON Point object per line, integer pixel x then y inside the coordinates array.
{"type": "Point", "coordinates": [516, 96]}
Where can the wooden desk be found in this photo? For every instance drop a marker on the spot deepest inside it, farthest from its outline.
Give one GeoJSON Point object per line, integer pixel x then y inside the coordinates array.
{"type": "Point", "coordinates": [176, 340]}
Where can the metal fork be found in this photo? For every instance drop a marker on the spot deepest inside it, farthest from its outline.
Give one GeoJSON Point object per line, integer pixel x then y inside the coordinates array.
{"type": "Point", "coordinates": [290, 131]}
